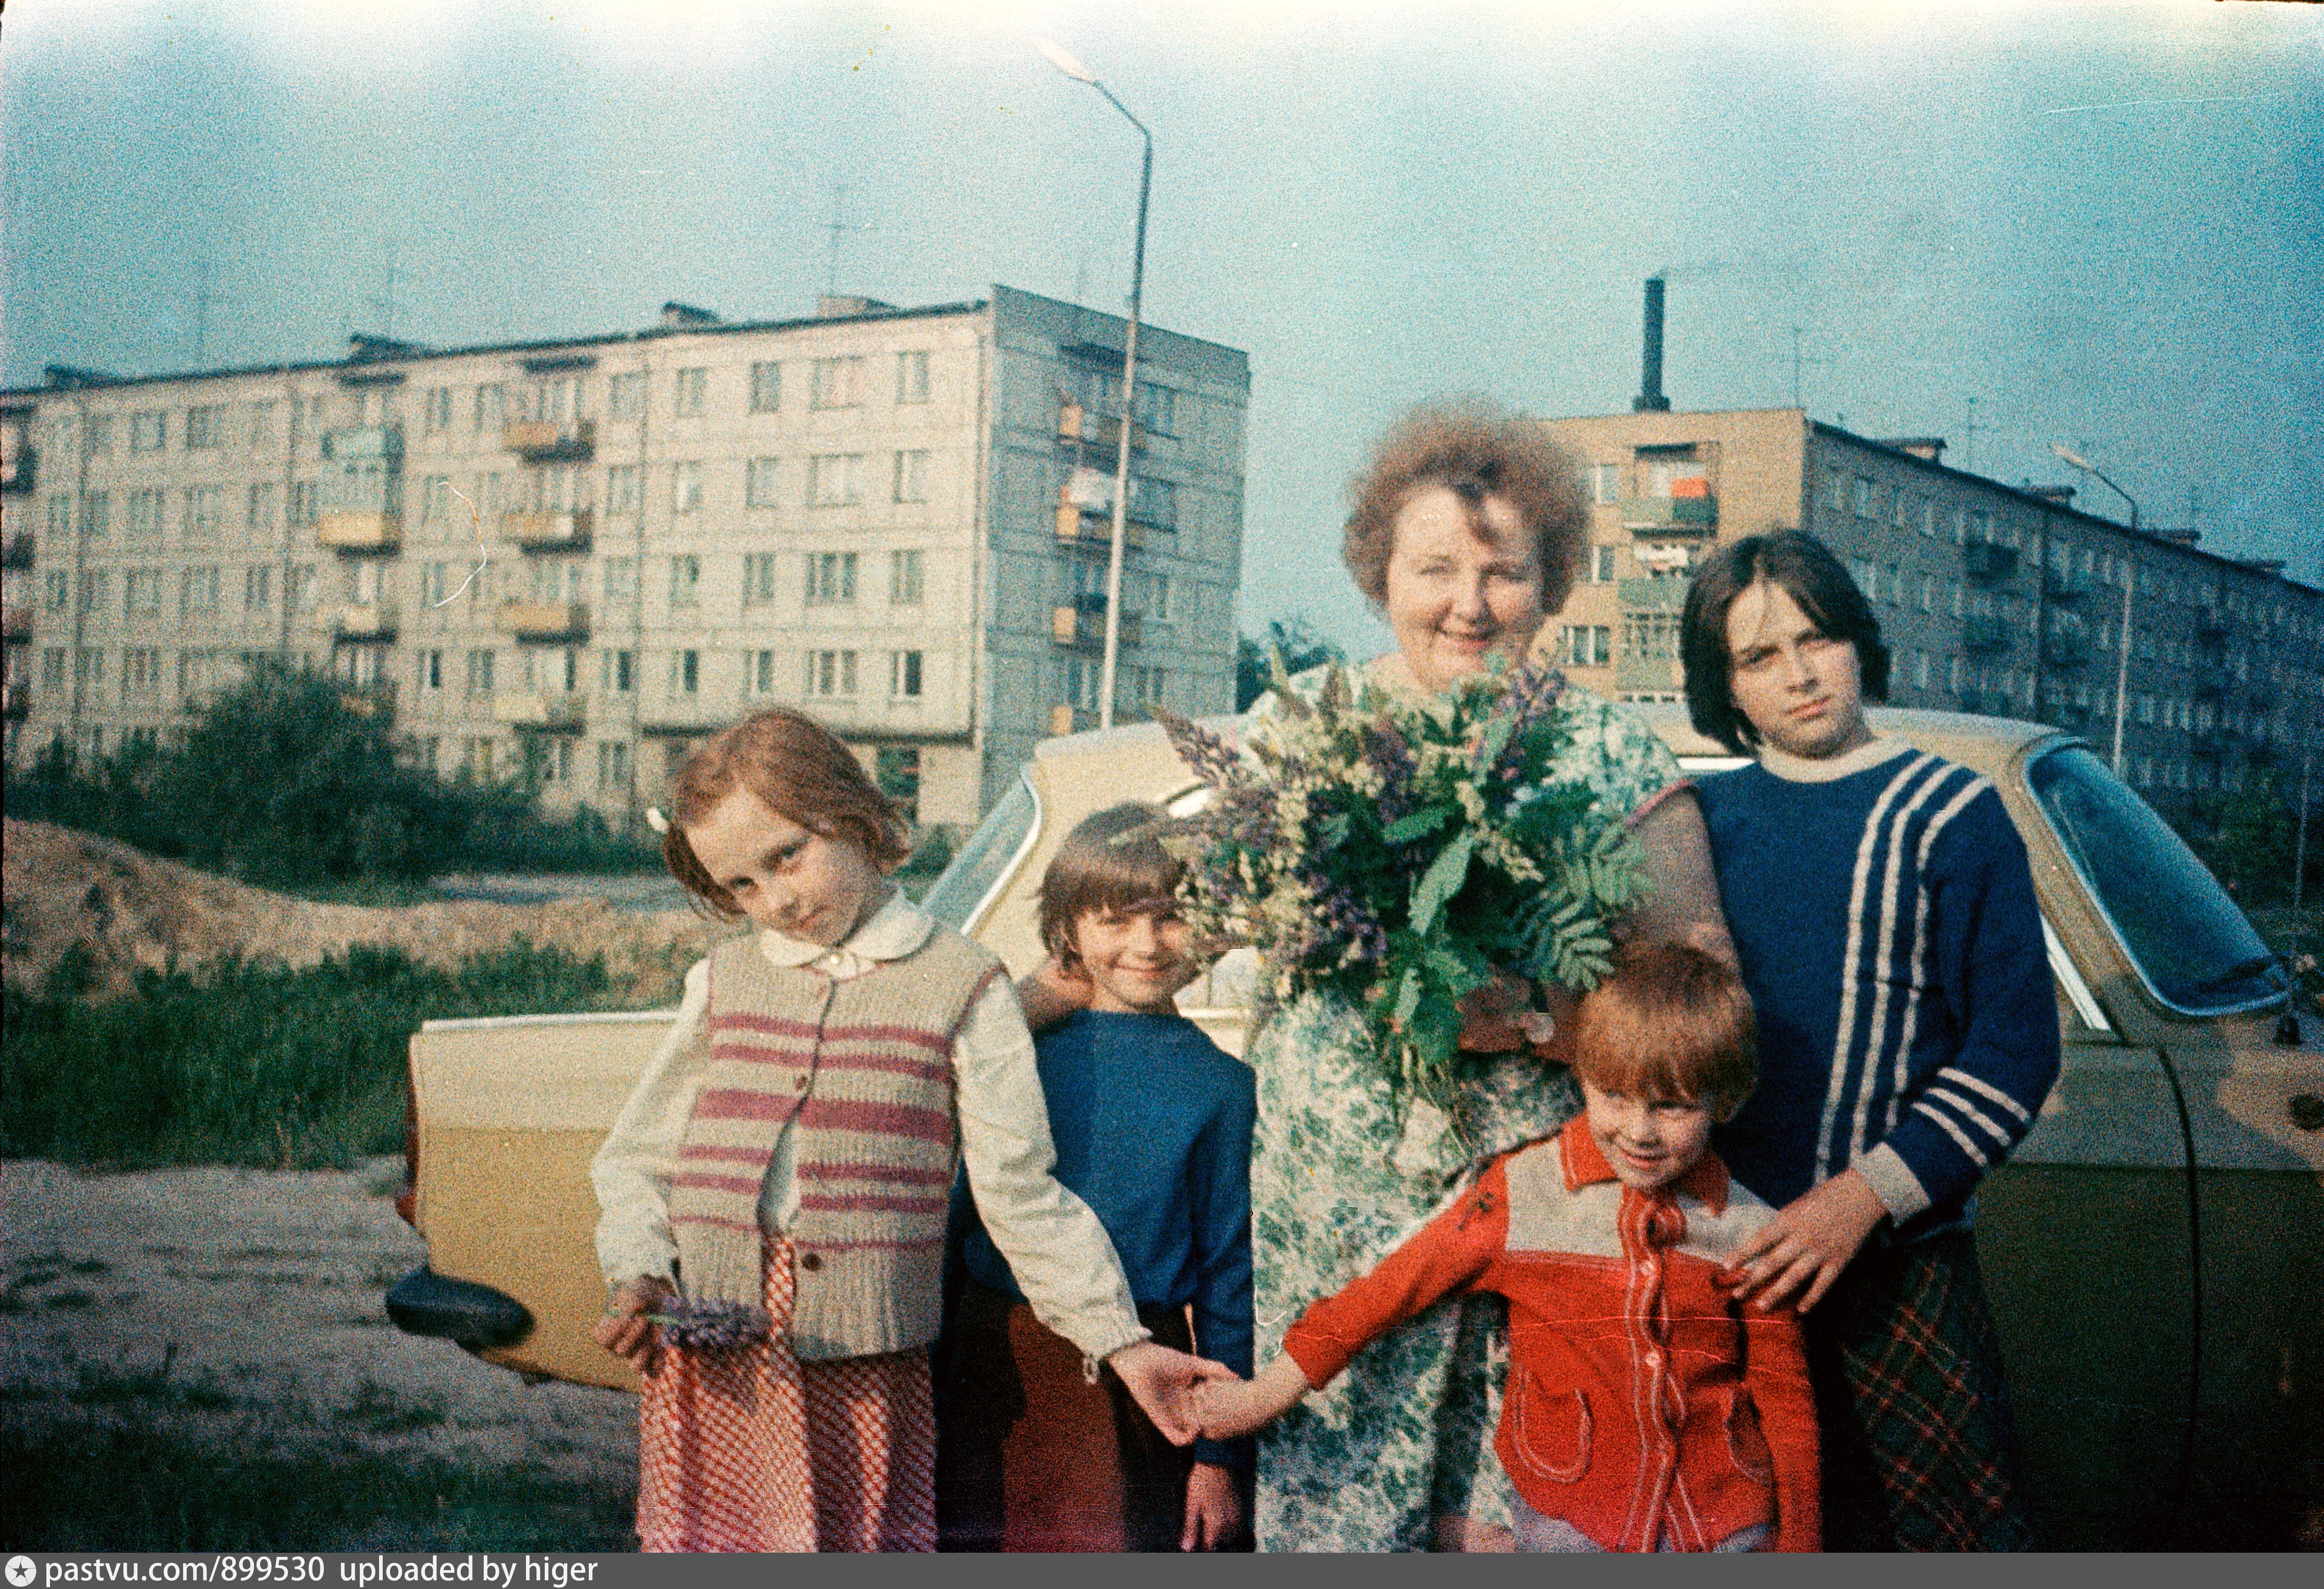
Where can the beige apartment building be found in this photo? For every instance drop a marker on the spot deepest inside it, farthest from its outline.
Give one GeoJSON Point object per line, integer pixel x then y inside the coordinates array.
{"type": "Point", "coordinates": [2006, 600]}
{"type": "Point", "coordinates": [571, 559]}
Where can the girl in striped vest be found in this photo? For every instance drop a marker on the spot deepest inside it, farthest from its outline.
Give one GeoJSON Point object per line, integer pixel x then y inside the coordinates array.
{"type": "Point", "coordinates": [774, 1193]}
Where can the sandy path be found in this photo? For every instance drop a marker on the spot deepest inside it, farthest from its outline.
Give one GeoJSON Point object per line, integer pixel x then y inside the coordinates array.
{"type": "Point", "coordinates": [268, 1288]}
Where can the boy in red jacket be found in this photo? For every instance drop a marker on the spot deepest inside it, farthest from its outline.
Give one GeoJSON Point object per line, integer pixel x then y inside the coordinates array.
{"type": "Point", "coordinates": [1647, 1409]}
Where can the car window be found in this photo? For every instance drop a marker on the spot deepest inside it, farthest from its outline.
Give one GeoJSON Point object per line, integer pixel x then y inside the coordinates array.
{"type": "Point", "coordinates": [985, 862]}
{"type": "Point", "coordinates": [2192, 946]}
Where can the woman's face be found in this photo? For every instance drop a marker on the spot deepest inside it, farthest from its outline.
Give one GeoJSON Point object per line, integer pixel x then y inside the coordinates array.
{"type": "Point", "coordinates": [1455, 596]}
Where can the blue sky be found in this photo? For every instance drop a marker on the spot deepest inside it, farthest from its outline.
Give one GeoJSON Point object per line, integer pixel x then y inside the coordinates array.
{"type": "Point", "coordinates": [2101, 223]}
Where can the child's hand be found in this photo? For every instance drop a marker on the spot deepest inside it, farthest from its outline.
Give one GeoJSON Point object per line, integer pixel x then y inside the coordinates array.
{"type": "Point", "coordinates": [1213, 1508]}
{"type": "Point", "coordinates": [1162, 1383]}
{"type": "Point", "coordinates": [1230, 1409]}
{"type": "Point", "coordinates": [1052, 990]}
{"type": "Point", "coordinates": [625, 1331]}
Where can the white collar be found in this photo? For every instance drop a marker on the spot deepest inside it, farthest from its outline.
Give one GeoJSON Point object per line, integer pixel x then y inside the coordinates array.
{"type": "Point", "coordinates": [1793, 769]}
{"type": "Point", "coordinates": [891, 932]}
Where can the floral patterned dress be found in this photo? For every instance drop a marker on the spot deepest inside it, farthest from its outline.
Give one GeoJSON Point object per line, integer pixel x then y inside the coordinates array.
{"type": "Point", "coordinates": [1341, 1173]}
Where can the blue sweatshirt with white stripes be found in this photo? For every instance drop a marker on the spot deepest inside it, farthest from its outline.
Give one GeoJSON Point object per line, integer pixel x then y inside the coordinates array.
{"type": "Point", "coordinates": [1889, 933]}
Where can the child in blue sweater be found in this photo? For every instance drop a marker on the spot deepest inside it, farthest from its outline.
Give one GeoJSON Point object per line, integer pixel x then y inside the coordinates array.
{"type": "Point", "coordinates": [1884, 920]}
{"type": "Point", "coordinates": [1152, 1124]}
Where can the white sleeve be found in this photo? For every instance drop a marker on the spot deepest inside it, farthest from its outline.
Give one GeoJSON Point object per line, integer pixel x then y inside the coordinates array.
{"type": "Point", "coordinates": [1060, 1254]}
{"type": "Point", "coordinates": [631, 1173]}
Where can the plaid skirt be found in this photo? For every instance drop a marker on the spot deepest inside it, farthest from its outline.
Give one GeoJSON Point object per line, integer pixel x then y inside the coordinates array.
{"type": "Point", "coordinates": [1920, 1449]}
{"type": "Point", "coordinates": [752, 1450]}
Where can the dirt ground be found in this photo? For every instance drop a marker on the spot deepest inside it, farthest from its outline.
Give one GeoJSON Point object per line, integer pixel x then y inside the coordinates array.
{"type": "Point", "coordinates": [257, 1297]}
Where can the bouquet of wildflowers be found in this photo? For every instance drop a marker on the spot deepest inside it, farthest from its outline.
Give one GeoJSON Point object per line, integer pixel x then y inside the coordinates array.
{"type": "Point", "coordinates": [1404, 852]}
{"type": "Point", "coordinates": [710, 1325]}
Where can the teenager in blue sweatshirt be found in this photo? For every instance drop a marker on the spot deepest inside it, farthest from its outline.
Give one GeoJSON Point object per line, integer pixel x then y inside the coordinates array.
{"type": "Point", "coordinates": [1153, 1125]}
{"type": "Point", "coordinates": [1885, 922]}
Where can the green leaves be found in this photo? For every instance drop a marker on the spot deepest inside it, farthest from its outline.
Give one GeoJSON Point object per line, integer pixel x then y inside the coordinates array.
{"type": "Point", "coordinates": [1442, 881]}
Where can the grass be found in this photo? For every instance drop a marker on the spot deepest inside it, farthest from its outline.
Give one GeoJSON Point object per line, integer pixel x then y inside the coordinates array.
{"type": "Point", "coordinates": [239, 1064]}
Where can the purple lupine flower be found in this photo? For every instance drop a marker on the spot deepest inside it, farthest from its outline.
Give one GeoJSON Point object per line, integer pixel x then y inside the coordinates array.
{"type": "Point", "coordinates": [1214, 760]}
{"type": "Point", "coordinates": [711, 1326]}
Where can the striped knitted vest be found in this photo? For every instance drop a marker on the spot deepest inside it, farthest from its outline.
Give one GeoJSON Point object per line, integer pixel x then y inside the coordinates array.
{"type": "Point", "coordinates": [865, 1064]}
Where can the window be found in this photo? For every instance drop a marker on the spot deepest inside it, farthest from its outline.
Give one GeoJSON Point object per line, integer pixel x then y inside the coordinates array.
{"type": "Point", "coordinates": [197, 592]}
{"type": "Point", "coordinates": [1158, 408]}
{"type": "Point", "coordinates": [831, 579]}
{"type": "Point", "coordinates": [1896, 508]}
{"type": "Point", "coordinates": [88, 665]}
{"type": "Point", "coordinates": [492, 405]}
{"type": "Point", "coordinates": [685, 580]}
{"type": "Point", "coordinates": [257, 587]}
{"type": "Point", "coordinates": [52, 668]}
{"type": "Point", "coordinates": [1928, 593]}
{"type": "Point", "coordinates": [1921, 670]}
{"type": "Point", "coordinates": [299, 588]}
{"type": "Point", "coordinates": [549, 402]}
{"type": "Point", "coordinates": [480, 673]}
{"type": "Point", "coordinates": [435, 499]}
{"type": "Point", "coordinates": [834, 479]}
{"type": "Point", "coordinates": [625, 395]}
{"type": "Point", "coordinates": [1155, 503]}
{"type": "Point", "coordinates": [145, 514]}
{"type": "Point", "coordinates": [1159, 599]}
{"type": "Point", "coordinates": [911, 377]}
{"type": "Point", "coordinates": [1587, 645]}
{"type": "Point", "coordinates": [1864, 498]}
{"type": "Point", "coordinates": [140, 673]}
{"type": "Point", "coordinates": [260, 506]}
{"type": "Point", "coordinates": [95, 590]}
{"type": "Point", "coordinates": [686, 393]}
{"type": "Point", "coordinates": [56, 589]}
{"type": "Point", "coordinates": [830, 674]}
{"type": "Point", "coordinates": [686, 488]}
{"type": "Point", "coordinates": [306, 502]}
{"type": "Point", "coordinates": [1604, 483]}
{"type": "Point", "coordinates": [838, 384]}
{"type": "Point", "coordinates": [432, 671]}
{"type": "Point", "coordinates": [904, 578]}
{"type": "Point", "coordinates": [766, 387]}
{"type": "Point", "coordinates": [612, 766]}
{"type": "Point", "coordinates": [438, 408]}
{"type": "Point", "coordinates": [141, 592]}
{"type": "Point", "coordinates": [621, 584]}
{"type": "Point", "coordinates": [477, 760]}
{"type": "Point", "coordinates": [758, 672]}
{"type": "Point", "coordinates": [757, 579]}
{"type": "Point", "coordinates": [912, 476]}
{"type": "Point", "coordinates": [1602, 564]}
{"type": "Point", "coordinates": [99, 435]}
{"type": "Point", "coordinates": [616, 672]}
{"type": "Point", "coordinates": [684, 672]}
{"type": "Point", "coordinates": [759, 484]}
{"type": "Point", "coordinates": [201, 512]}
{"type": "Point", "coordinates": [904, 675]}
{"type": "Point", "coordinates": [59, 520]}
{"type": "Point", "coordinates": [95, 516]}
{"type": "Point", "coordinates": [896, 771]}
{"type": "Point", "coordinates": [622, 488]}
{"type": "Point", "coordinates": [148, 431]}
{"type": "Point", "coordinates": [205, 427]}
{"type": "Point", "coordinates": [1895, 577]}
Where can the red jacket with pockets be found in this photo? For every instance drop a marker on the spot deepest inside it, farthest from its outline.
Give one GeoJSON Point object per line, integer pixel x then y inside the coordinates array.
{"type": "Point", "coordinates": [1642, 1398]}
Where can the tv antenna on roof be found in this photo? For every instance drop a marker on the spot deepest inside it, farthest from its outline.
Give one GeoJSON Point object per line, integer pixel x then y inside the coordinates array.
{"type": "Point", "coordinates": [838, 228]}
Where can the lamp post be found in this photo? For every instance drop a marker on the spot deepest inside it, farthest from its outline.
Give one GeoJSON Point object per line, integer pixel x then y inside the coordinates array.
{"type": "Point", "coordinates": [1074, 70]}
{"type": "Point", "coordinates": [2129, 584]}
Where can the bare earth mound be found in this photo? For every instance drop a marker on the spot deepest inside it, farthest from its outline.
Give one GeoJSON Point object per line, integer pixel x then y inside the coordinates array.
{"type": "Point", "coordinates": [132, 910]}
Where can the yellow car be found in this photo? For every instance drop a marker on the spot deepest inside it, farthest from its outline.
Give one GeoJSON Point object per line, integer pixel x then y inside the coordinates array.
{"type": "Point", "coordinates": [2154, 1250]}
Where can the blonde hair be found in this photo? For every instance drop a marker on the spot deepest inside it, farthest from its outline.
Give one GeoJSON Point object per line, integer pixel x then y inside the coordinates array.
{"type": "Point", "coordinates": [803, 772]}
{"type": "Point", "coordinates": [1672, 1023]}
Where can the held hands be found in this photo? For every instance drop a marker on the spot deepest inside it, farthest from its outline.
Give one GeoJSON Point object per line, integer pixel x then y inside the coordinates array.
{"type": "Point", "coordinates": [1052, 990]}
{"type": "Point", "coordinates": [1232, 1408]}
{"type": "Point", "coordinates": [1808, 1242]}
{"type": "Point", "coordinates": [1165, 1384]}
{"type": "Point", "coordinates": [625, 1331]}
{"type": "Point", "coordinates": [1499, 1017]}
{"type": "Point", "coordinates": [1213, 1508]}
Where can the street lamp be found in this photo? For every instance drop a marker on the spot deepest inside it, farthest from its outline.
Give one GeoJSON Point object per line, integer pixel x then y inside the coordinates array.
{"type": "Point", "coordinates": [1074, 70]}
{"type": "Point", "coordinates": [2129, 583]}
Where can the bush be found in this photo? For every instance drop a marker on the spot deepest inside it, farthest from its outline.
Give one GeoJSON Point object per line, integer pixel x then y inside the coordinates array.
{"type": "Point", "coordinates": [250, 1065]}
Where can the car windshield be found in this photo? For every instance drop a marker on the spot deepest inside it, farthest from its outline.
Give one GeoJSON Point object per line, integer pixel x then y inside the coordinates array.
{"type": "Point", "coordinates": [2193, 947]}
{"type": "Point", "coordinates": [985, 859]}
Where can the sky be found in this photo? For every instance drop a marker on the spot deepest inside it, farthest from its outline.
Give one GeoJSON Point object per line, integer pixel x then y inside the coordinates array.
{"type": "Point", "coordinates": [2011, 225]}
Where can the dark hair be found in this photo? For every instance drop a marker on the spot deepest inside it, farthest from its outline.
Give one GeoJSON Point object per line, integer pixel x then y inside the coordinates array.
{"type": "Point", "coordinates": [805, 775]}
{"type": "Point", "coordinates": [1477, 449]}
{"type": "Point", "coordinates": [1804, 568]}
{"type": "Point", "coordinates": [1671, 1023]}
{"type": "Point", "coordinates": [1111, 861]}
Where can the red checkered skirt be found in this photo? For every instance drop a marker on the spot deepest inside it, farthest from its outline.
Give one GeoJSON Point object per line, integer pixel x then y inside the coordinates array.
{"type": "Point", "coordinates": [752, 1450]}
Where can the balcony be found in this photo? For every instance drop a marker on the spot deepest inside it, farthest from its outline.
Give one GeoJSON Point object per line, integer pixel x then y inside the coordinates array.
{"type": "Point", "coordinates": [2210, 686]}
{"type": "Point", "coordinates": [1093, 531]}
{"type": "Point", "coordinates": [1103, 433]}
{"type": "Point", "coordinates": [17, 471]}
{"type": "Point", "coordinates": [360, 534]}
{"type": "Point", "coordinates": [551, 711]}
{"type": "Point", "coordinates": [1652, 596]}
{"type": "Point", "coordinates": [375, 699]}
{"type": "Point", "coordinates": [1082, 626]}
{"type": "Point", "coordinates": [2210, 743]}
{"type": "Point", "coordinates": [16, 550]}
{"type": "Point", "coordinates": [1067, 719]}
{"type": "Point", "coordinates": [548, 532]}
{"type": "Point", "coordinates": [16, 621]}
{"type": "Point", "coordinates": [2065, 586]}
{"type": "Point", "coordinates": [1670, 515]}
{"type": "Point", "coordinates": [1983, 631]}
{"type": "Point", "coordinates": [1985, 561]}
{"type": "Point", "coordinates": [358, 621]}
{"type": "Point", "coordinates": [1656, 675]}
{"type": "Point", "coordinates": [15, 702]}
{"type": "Point", "coordinates": [2066, 649]}
{"type": "Point", "coordinates": [2212, 625]}
{"type": "Point", "coordinates": [545, 620]}
{"type": "Point", "coordinates": [551, 441]}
